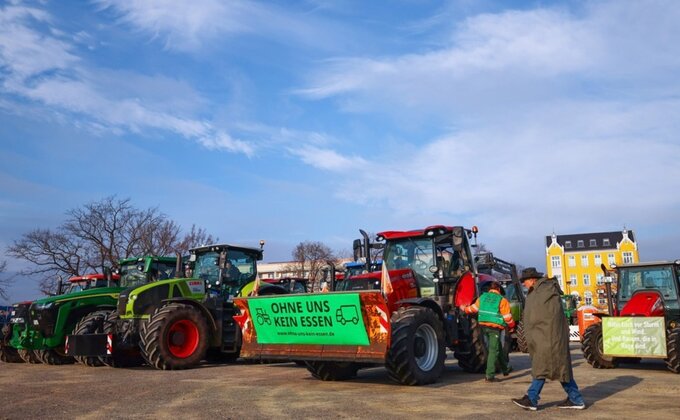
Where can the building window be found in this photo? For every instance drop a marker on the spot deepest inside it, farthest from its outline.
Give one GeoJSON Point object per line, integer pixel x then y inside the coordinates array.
{"type": "Point", "coordinates": [584, 260]}
{"type": "Point", "coordinates": [572, 261]}
{"type": "Point", "coordinates": [556, 261]}
{"type": "Point", "coordinates": [597, 260]}
{"type": "Point", "coordinates": [573, 281]}
{"type": "Point", "coordinates": [602, 301]}
{"type": "Point", "coordinates": [567, 244]}
{"type": "Point", "coordinates": [586, 279]}
{"type": "Point", "coordinates": [628, 258]}
{"type": "Point", "coordinates": [559, 279]}
{"type": "Point", "coordinates": [593, 242]}
{"type": "Point", "coordinates": [605, 242]}
{"type": "Point", "coordinates": [600, 279]}
{"type": "Point", "coordinates": [579, 244]}
{"type": "Point", "coordinates": [611, 259]}
{"type": "Point", "coordinates": [588, 296]}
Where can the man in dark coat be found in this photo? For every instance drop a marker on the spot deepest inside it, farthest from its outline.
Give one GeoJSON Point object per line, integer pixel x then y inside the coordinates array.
{"type": "Point", "coordinates": [547, 333]}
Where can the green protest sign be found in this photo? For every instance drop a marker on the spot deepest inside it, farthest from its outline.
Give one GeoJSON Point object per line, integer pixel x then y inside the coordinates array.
{"type": "Point", "coordinates": [634, 336]}
{"type": "Point", "coordinates": [331, 319]}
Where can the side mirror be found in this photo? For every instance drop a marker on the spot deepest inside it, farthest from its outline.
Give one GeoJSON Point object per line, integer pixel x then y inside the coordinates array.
{"type": "Point", "coordinates": [357, 247]}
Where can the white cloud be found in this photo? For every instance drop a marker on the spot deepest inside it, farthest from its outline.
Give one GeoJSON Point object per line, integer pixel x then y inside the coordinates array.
{"type": "Point", "coordinates": [328, 159]}
{"type": "Point", "coordinates": [45, 68]}
{"type": "Point", "coordinates": [563, 120]}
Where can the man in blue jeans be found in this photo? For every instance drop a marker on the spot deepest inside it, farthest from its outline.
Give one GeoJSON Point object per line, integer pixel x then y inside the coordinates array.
{"type": "Point", "coordinates": [547, 334]}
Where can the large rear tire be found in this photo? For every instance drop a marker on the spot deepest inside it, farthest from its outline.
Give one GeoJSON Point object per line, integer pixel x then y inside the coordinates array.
{"type": "Point", "coordinates": [9, 354]}
{"type": "Point", "coordinates": [175, 337]}
{"type": "Point", "coordinates": [673, 350]}
{"type": "Point", "coordinates": [522, 345]}
{"type": "Point", "coordinates": [332, 371]}
{"type": "Point", "coordinates": [28, 356]}
{"type": "Point", "coordinates": [416, 355]}
{"type": "Point", "coordinates": [92, 323]}
{"type": "Point", "coordinates": [473, 358]}
{"type": "Point", "coordinates": [53, 357]}
{"type": "Point", "coordinates": [593, 349]}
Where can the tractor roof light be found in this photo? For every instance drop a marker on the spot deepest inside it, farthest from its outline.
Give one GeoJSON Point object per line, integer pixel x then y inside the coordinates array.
{"type": "Point", "coordinates": [475, 229]}
{"type": "Point", "coordinates": [677, 262]}
{"type": "Point", "coordinates": [380, 238]}
{"type": "Point", "coordinates": [612, 266]}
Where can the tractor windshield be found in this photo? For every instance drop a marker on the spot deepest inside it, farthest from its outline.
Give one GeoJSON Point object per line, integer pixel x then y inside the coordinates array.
{"type": "Point", "coordinates": [359, 284]}
{"type": "Point", "coordinates": [661, 278]}
{"type": "Point", "coordinates": [416, 254]}
{"type": "Point", "coordinates": [132, 275]}
{"type": "Point", "coordinates": [240, 269]}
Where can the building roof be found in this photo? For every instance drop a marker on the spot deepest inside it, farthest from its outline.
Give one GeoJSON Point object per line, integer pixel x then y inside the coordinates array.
{"type": "Point", "coordinates": [571, 242]}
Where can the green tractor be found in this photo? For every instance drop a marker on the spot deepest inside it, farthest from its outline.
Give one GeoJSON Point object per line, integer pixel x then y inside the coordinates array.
{"type": "Point", "coordinates": [177, 323]}
{"type": "Point", "coordinates": [570, 304]}
{"type": "Point", "coordinates": [42, 326]}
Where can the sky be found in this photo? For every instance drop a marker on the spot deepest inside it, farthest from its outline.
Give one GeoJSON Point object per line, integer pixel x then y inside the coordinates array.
{"type": "Point", "coordinates": [308, 120]}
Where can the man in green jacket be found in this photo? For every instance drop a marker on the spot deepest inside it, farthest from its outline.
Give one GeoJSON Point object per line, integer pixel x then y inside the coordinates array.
{"type": "Point", "coordinates": [547, 334]}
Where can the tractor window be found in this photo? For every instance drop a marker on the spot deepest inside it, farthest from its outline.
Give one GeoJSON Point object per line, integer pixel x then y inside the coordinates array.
{"type": "Point", "coordinates": [416, 254]}
{"type": "Point", "coordinates": [642, 278]}
{"type": "Point", "coordinates": [132, 275]}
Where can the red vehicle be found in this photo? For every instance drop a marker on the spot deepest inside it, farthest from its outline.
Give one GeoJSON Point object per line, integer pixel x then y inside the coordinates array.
{"type": "Point", "coordinates": [432, 272]}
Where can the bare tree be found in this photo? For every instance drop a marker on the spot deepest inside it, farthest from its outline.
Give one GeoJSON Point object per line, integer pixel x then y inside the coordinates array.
{"type": "Point", "coordinates": [4, 282]}
{"type": "Point", "coordinates": [195, 237]}
{"type": "Point", "coordinates": [310, 259]}
{"type": "Point", "coordinates": [98, 235]}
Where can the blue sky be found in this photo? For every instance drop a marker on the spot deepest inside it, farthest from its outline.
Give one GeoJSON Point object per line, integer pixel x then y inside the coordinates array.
{"type": "Point", "coordinates": [308, 120]}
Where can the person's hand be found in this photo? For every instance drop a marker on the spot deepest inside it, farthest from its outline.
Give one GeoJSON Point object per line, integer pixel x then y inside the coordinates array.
{"type": "Point", "coordinates": [462, 307]}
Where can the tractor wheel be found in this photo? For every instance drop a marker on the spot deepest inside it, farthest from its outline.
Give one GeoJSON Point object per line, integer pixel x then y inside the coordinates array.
{"type": "Point", "coordinates": [92, 323]}
{"type": "Point", "coordinates": [9, 354]}
{"type": "Point", "coordinates": [28, 356]}
{"type": "Point", "coordinates": [522, 345]}
{"type": "Point", "coordinates": [416, 355]}
{"type": "Point", "coordinates": [175, 337]}
{"type": "Point", "coordinates": [53, 357]}
{"type": "Point", "coordinates": [332, 371]}
{"type": "Point", "coordinates": [592, 349]}
{"type": "Point", "coordinates": [474, 359]}
{"type": "Point", "coordinates": [119, 358]}
{"type": "Point", "coordinates": [673, 349]}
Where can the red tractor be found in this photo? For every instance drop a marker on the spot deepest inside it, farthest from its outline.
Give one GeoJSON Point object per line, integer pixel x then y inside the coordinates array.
{"type": "Point", "coordinates": [646, 311]}
{"type": "Point", "coordinates": [406, 326]}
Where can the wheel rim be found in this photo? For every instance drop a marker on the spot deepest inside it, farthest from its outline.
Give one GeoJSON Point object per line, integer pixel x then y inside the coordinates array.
{"type": "Point", "coordinates": [425, 347]}
{"type": "Point", "coordinates": [183, 338]}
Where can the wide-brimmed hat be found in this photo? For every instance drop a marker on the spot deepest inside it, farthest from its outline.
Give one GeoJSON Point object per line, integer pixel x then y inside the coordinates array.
{"type": "Point", "coordinates": [530, 273]}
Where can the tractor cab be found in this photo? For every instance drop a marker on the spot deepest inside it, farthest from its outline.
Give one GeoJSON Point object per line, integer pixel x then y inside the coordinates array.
{"type": "Point", "coordinates": [142, 270]}
{"type": "Point", "coordinates": [648, 289]}
{"type": "Point", "coordinates": [439, 258]}
{"type": "Point", "coordinates": [225, 269]}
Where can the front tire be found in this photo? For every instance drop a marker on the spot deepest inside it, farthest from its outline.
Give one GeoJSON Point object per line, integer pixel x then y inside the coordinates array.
{"type": "Point", "coordinates": [416, 355]}
{"type": "Point", "coordinates": [9, 354]}
{"type": "Point", "coordinates": [673, 349]}
{"type": "Point", "coordinates": [332, 371]}
{"type": "Point", "coordinates": [53, 357]}
{"type": "Point", "coordinates": [120, 357]}
{"type": "Point", "coordinates": [28, 356]}
{"type": "Point", "coordinates": [593, 348]}
{"type": "Point", "coordinates": [92, 323]}
{"type": "Point", "coordinates": [175, 337]}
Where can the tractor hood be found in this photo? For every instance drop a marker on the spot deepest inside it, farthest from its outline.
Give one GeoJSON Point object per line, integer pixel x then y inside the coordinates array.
{"type": "Point", "coordinates": [113, 291]}
{"type": "Point", "coordinates": [644, 303]}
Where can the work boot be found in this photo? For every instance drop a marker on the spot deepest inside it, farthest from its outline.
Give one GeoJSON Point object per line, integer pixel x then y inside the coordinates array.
{"type": "Point", "coordinates": [507, 372]}
{"type": "Point", "coordinates": [525, 403]}
{"type": "Point", "coordinates": [490, 379]}
{"type": "Point", "coordinates": [568, 404]}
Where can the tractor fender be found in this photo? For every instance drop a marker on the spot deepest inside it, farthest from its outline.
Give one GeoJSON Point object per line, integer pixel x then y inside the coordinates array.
{"type": "Point", "coordinates": [196, 304]}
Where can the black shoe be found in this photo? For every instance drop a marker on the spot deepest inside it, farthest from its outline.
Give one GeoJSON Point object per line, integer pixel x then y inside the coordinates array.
{"type": "Point", "coordinates": [568, 404]}
{"type": "Point", "coordinates": [490, 380]}
{"type": "Point", "coordinates": [507, 372]}
{"type": "Point", "coordinates": [525, 403]}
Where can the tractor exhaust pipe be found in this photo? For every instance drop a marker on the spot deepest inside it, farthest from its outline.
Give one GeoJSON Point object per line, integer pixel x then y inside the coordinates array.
{"type": "Point", "coordinates": [608, 288]}
{"type": "Point", "coordinates": [367, 249]}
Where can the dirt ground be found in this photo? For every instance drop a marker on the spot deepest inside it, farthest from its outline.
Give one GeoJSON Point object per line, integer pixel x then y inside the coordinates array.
{"type": "Point", "coordinates": [242, 390]}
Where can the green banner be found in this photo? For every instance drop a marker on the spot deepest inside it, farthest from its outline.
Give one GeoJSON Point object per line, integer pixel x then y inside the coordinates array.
{"type": "Point", "coordinates": [634, 336]}
{"type": "Point", "coordinates": [325, 318]}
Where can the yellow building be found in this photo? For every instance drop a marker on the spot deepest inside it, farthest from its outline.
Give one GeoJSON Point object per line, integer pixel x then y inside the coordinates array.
{"type": "Point", "coordinates": [575, 260]}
